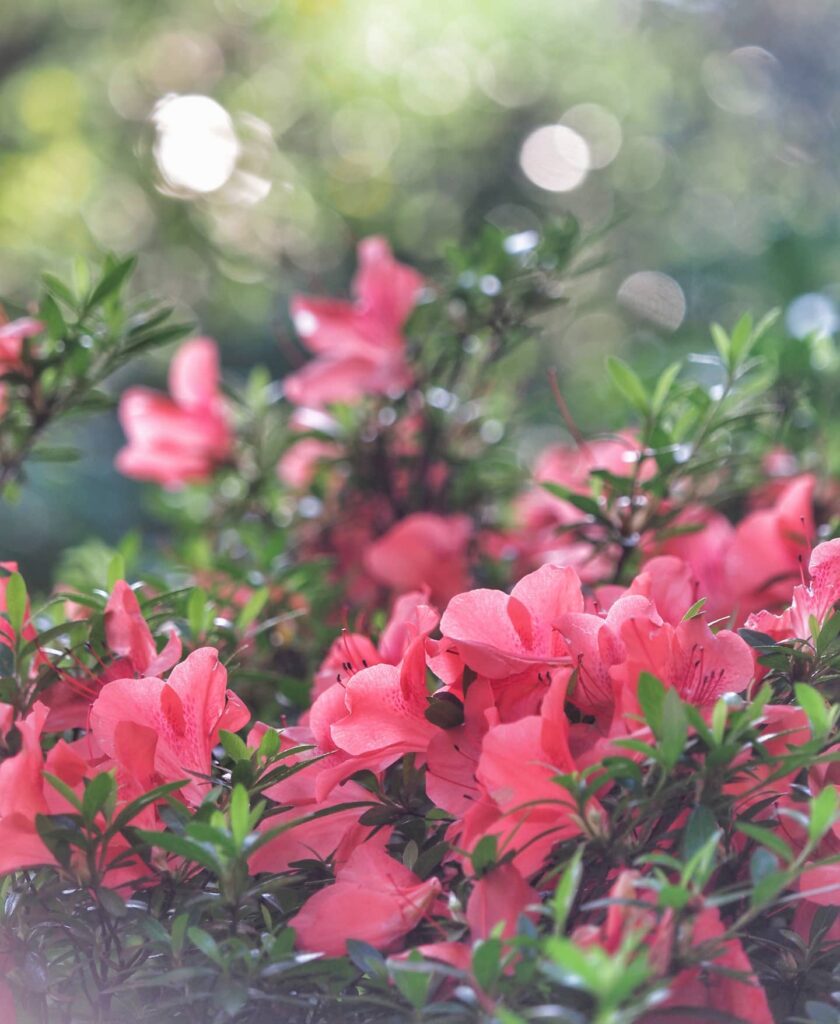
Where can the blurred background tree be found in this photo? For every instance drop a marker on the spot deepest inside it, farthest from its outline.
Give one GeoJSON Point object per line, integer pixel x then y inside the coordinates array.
{"type": "Point", "coordinates": [243, 146]}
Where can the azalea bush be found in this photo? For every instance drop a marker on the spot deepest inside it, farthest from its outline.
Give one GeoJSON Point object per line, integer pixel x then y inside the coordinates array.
{"type": "Point", "coordinates": [390, 723]}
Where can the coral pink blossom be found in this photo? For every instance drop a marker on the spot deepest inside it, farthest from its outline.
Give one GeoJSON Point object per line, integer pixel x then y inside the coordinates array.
{"type": "Point", "coordinates": [411, 617]}
{"type": "Point", "coordinates": [167, 730]}
{"type": "Point", "coordinates": [358, 346]}
{"type": "Point", "coordinates": [725, 985]}
{"type": "Point", "coordinates": [699, 664]}
{"type": "Point", "coordinates": [453, 753]}
{"type": "Point", "coordinates": [521, 803]}
{"type": "Point", "coordinates": [334, 835]}
{"type": "Point", "coordinates": [176, 440]}
{"type": "Point", "coordinates": [814, 600]}
{"type": "Point", "coordinates": [374, 899]}
{"type": "Point", "coordinates": [127, 634]}
{"type": "Point", "coordinates": [499, 898]}
{"type": "Point", "coordinates": [498, 634]}
{"type": "Point", "coordinates": [22, 797]}
{"type": "Point", "coordinates": [386, 706]}
{"type": "Point", "coordinates": [423, 550]}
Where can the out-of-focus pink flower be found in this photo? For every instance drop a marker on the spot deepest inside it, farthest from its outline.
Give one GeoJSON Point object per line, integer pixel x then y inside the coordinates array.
{"type": "Point", "coordinates": [299, 464]}
{"type": "Point", "coordinates": [764, 561]}
{"type": "Point", "coordinates": [172, 441]}
{"type": "Point", "coordinates": [12, 337]}
{"type": "Point", "coordinates": [374, 899]}
{"type": "Point", "coordinates": [358, 346]}
{"type": "Point", "coordinates": [423, 550]}
{"type": "Point", "coordinates": [536, 540]}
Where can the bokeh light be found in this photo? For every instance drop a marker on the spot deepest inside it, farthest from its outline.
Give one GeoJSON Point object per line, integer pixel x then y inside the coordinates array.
{"type": "Point", "coordinates": [556, 158]}
{"type": "Point", "coordinates": [196, 147]}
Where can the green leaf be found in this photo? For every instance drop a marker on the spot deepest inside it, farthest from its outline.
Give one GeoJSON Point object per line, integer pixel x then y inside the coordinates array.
{"type": "Point", "coordinates": [181, 846]}
{"type": "Point", "coordinates": [367, 958]}
{"type": "Point", "coordinates": [823, 813]}
{"type": "Point", "coordinates": [445, 710]}
{"type": "Point", "coordinates": [116, 570]}
{"type": "Point", "coordinates": [694, 610]}
{"type": "Point", "coordinates": [755, 638]}
{"type": "Point", "coordinates": [16, 601]}
{"type": "Point", "coordinates": [485, 854]}
{"type": "Point", "coordinates": [663, 387]}
{"type": "Point", "coordinates": [240, 813]}
{"type": "Point", "coordinates": [700, 827]}
{"type": "Point", "coordinates": [54, 453]}
{"type": "Point", "coordinates": [564, 894]}
{"type": "Point", "coordinates": [234, 746]}
{"type": "Point", "coordinates": [674, 728]}
{"type": "Point", "coordinates": [269, 744]}
{"type": "Point", "coordinates": [178, 932]}
{"type": "Point", "coordinates": [487, 963]}
{"type": "Point", "coordinates": [205, 942]}
{"type": "Point", "coordinates": [59, 290]}
{"type": "Point", "coordinates": [252, 608]}
{"type": "Point", "coordinates": [111, 281]}
{"type": "Point", "coordinates": [52, 317]}
{"type": "Point", "coordinates": [815, 707]}
{"type": "Point", "coordinates": [651, 694]}
{"type": "Point", "coordinates": [766, 837]}
{"type": "Point", "coordinates": [762, 864]}
{"type": "Point", "coordinates": [112, 902]}
{"type": "Point", "coordinates": [722, 343]}
{"type": "Point", "coordinates": [628, 384]}
{"type": "Point", "coordinates": [413, 977]}
{"type": "Point", "coordinates": [98, 791]}
{"type": "Point", "coordinates": [197, 612]}
{"type": "Point", "coordinates": [64, 789]}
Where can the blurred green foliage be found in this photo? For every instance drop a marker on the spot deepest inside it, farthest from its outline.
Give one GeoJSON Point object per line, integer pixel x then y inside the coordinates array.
{"type": "Point", "coordinates": [710, 156]}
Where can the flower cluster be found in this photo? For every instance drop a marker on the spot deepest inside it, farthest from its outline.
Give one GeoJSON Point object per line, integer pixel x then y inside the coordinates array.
{"type": "Point", "coordinates": [571, 751]}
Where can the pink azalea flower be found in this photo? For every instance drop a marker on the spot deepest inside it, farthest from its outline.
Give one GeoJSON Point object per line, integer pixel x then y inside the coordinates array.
{"type": "Point", "coordinates": [699, 664]}
{"type": "Point", "coordinates": [128, 635]}
{"type": "Point", "coordinates": [22, 797]}
{"type": "Point", "coordinates": [499, 898]}
{"type": "Point", "coordinates": [814, 600]}
{"type": "Point", "coordinates": [358, 346]}
{"type": "Point", "coordinates": [727, 985]}
{"type": "Point", "coordinates": [165, 731]}
{"type": "Point", "coordinates": [422, 550]}
{"type": "Point", "coordinates": [411, 616]}
{"type": "Point", "coordinates": [498, 635]}
{"type": "Point", "coordinates": [336, 834]}
{"type": "Point", "coordinates": [374, 899]}
{"type": "Point", "coordinates": [173, 441]}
